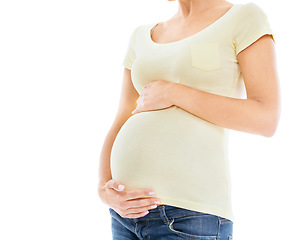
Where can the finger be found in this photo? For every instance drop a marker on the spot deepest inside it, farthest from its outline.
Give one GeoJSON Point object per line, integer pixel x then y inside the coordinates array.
{"type": "Point", "coordinates": [147, 85]}
{"type": "Point", "coordinates": [136, 215]}
{"type": "Point", "coordinates": [137, 203]}
{"type": "Point", "coordinates": [140, 209]}
{"type": "Point", "coordinates": [134, 194]}
{"type": "Point", "coordinates": [115, 185]}
{"type": "Point", "coordinates": [137, 109]}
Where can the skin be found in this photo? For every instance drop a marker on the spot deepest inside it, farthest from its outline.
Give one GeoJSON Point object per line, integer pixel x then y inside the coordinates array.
{"type": "Point", "coordinates": [258, 114]}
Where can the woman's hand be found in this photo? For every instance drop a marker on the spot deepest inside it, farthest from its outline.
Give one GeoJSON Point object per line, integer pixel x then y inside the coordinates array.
{"type": "Point", "coordinates": [155, 96]}
{"type": "Point", "coordinates": [128, 204]}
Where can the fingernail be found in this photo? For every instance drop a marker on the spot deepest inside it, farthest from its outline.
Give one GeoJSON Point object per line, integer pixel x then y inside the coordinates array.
{"type": "Point", "coordinates": [120, 187]}
{"type": "Point", "coordinates": [151, 193]}
{"type": "Point", "coordinates": [157, 202]}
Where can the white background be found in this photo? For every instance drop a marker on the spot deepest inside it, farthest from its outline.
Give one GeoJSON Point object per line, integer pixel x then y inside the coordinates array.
{"type": "Point", "coordinates": [61, 74]}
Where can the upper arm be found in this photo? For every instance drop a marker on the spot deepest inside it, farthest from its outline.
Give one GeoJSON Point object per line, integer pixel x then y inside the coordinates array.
{"type": "Point", "coordinates": [254, 46]}
{"type": "Point", "coordinates": [259, 71]}
{"type": "Point", "coordinates": [129, 95]}
{"type": "Point", "coordinates": [128, 98]}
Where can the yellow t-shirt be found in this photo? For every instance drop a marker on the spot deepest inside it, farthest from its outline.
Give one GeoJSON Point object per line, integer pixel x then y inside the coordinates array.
{"type": "Point", "coordinates": [182, 157]}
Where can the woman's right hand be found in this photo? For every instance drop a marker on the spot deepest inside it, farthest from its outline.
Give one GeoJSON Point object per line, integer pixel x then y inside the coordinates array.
{"type": "Point", "coordinates": [128, 204]}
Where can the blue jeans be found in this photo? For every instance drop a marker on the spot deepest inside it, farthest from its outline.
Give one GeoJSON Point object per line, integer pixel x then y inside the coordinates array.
{"type": "Point", "coordinates": [171, 223]}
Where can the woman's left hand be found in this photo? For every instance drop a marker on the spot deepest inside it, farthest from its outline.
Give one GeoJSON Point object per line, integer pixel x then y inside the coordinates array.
{"type": "Point", "coordinates": [155, 96]}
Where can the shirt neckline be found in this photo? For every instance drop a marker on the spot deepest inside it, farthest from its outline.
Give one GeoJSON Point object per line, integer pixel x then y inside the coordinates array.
{"type": "Point", "coordinates": [151, 26]}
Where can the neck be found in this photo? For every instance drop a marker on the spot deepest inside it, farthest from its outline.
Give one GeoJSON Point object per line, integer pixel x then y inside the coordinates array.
{"type": "Point", "coordinates": [190, 8]}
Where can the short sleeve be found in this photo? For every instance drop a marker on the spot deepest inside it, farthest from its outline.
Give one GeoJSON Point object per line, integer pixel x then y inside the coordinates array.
{"type": "Point", "coordinates": [251, 23]}
{"type": "Point", "coordinates": [130, 54]}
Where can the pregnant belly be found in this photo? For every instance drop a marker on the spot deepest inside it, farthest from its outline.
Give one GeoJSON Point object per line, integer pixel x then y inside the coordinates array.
{"type": "Point", "coordinates": [154, 148]}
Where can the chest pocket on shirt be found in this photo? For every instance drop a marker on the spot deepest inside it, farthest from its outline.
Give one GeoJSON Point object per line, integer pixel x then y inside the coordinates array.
{"type": "Point", "coordinates": [205, 56]}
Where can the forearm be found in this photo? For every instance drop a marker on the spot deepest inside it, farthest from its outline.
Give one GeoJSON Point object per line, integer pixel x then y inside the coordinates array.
{"type": "Point", "coordinates": [245, 115]}
{"type": "Point", "coordinates": [104, 171]}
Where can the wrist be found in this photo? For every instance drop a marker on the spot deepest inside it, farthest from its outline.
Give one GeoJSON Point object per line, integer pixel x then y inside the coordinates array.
{"type": "Point", "coordinates": [103, 181]}
{"type": "Point", "coordinates": [101, 193]}
{"type": "Point", "coordinates": [172, 92]}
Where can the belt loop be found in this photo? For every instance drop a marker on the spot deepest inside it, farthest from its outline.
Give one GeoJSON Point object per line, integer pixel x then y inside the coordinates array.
{"type": "Point", "coordinates": [163, 214]}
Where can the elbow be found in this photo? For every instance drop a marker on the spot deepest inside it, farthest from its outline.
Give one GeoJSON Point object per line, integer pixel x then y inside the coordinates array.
{"type": "Point", "coordinates": [269, 126]}
{"type": "Point", "coordinates": [266, 130]}
{"type": "Point", "coordinates": [269, 132]}
{"type": "Point", "coordinates": [267, 119]}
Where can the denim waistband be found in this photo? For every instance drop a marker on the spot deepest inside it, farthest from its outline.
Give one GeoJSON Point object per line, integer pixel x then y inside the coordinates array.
{"type": "Point", "coordinates": [162, 211]}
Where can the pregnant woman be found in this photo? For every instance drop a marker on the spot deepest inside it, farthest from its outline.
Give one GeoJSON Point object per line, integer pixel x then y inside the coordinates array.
{"type": "Point", "coordinates": [164, 168]}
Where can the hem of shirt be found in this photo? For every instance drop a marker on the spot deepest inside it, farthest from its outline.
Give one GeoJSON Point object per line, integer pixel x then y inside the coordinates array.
{"type": "Point", "coordinates": [204, 208]}
{"type": "Point", "coordinates": [254, 38]}
{"type": "Point", "coordinates": [127, 65]}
